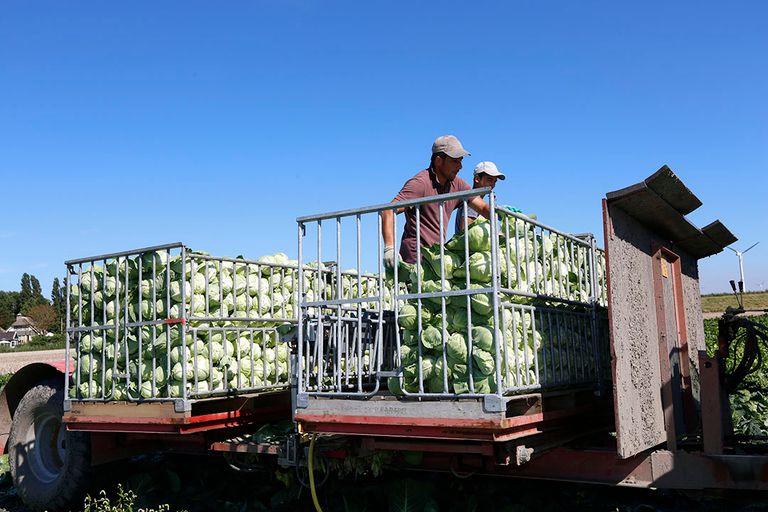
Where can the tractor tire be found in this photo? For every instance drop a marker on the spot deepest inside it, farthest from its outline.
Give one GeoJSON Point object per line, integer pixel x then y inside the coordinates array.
{"type": "Point", "coordinates": [50, 466]}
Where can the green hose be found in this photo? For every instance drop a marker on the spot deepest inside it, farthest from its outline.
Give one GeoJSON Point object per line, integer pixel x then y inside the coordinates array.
{"type": "Point", "coordinates": [310, 464]}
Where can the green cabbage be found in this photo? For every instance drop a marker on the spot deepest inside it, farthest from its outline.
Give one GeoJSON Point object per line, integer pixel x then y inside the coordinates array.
{"type": "Point", "coordinates": [431, 338]}
{"type": "Point", "coordinates": [456, 347]}
{"type": "Point", "coordinates": [482, 338]}
{"type": "Point", "coordinates": [479, 234]}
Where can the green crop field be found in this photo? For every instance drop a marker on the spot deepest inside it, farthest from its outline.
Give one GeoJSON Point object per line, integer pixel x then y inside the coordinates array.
{"type": "Point", "coordinates": [715, 303]}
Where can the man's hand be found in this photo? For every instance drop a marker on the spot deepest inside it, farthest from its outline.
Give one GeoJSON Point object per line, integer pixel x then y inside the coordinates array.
{"type": "Point", "coordinates": [389, 256]}
{"type": "Point", "coordinates": [515, 210]}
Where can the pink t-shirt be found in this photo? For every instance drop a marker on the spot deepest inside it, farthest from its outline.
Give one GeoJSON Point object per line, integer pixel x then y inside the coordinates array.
{"type": "Point", "coordinates": [425, 184]}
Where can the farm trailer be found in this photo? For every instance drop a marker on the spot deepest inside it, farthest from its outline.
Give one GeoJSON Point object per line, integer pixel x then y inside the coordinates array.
{"type": "Point", "coordinates": [596, 369]}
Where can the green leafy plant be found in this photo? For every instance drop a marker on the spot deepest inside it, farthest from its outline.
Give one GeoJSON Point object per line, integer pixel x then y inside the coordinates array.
{"type": "Point", "coordinates": [124, 502]}
{"type": "Point", "coordinates": [749, 403]}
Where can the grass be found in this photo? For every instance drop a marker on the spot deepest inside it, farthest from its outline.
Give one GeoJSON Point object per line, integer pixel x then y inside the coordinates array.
{"type": "Point", "coordinates": [718, 302]}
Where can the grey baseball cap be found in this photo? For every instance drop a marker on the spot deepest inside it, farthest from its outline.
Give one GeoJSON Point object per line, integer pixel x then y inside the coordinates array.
{"type": "Point", "coordinates": [449, 145]}
{"type": "Point", "coordinates": [490, 169]}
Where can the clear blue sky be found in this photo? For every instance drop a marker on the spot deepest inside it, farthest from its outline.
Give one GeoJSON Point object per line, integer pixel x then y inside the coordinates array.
{"type": "Point", "coordinates": [218, 123]}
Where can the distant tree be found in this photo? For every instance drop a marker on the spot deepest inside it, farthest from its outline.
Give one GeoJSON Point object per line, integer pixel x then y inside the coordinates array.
{"type": "Point", "coordinates": [44, 316]}
{"type": "Point", "coordinates": [31, 293]}
{"type": "Point", "coordinates": [10, 306]}
{"type": "Point", "coordinates": [26, 289]}
{"type": "Point", "coordinates": [56, 294]}
{"type": "Point", "coordinates": [37, 291]}
{"type": "Point", "coordinates": [58, 301]}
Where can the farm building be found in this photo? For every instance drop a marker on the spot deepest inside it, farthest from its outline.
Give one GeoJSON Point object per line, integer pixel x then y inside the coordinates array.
{"type": "Point", "coordinates": [24, 329]}
{"type": "Point", "coordinates": [8, 339]}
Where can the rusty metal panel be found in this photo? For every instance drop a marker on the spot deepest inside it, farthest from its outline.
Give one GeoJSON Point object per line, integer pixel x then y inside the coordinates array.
{"type": "Point", "coordinates": [711, 405]}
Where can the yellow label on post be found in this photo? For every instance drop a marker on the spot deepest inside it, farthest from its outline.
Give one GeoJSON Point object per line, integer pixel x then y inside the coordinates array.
{"type": "Point", "coordinates": [664, 268]}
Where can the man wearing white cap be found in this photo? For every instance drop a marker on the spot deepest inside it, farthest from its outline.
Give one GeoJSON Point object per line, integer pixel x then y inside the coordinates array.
{"type": "Point", "coordinates": [486, 175]}
{"type": "Point", "coordinates": [441, 177]}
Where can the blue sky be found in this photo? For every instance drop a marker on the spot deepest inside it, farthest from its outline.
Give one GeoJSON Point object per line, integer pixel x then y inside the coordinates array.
{"type": "Point", "coordinates": [217, 124]}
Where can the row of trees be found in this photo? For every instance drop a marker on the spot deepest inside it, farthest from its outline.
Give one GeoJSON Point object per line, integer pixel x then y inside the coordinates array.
{"type": "Point", "coordinates": [47, 314]}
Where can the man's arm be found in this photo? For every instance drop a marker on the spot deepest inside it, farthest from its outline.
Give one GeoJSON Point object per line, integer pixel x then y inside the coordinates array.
{"type": "Point", "coordinates": [480, 206]}
{"type": "Point", "coordinates": [388, 227]}
{"type": "Point", "coordinates": [388, 234]}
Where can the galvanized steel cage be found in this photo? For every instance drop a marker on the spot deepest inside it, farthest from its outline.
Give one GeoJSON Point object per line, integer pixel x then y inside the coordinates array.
{"type": "Point", "coordinates": [166, 323]}
{"type": "Point", "coordinates": [546, 288]}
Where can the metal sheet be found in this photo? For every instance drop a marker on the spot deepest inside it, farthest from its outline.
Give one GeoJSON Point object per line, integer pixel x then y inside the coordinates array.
{"type": "Point", "coordinates": [649, 208]}
{"type": "Point", "coordinates": [700, 245]}
{"type": "Point", "coordinates": [661, 203]}
{"type": "Point", "coordinates": [672, 190]}
{"type": "Point", "coordinates": [718, 233]}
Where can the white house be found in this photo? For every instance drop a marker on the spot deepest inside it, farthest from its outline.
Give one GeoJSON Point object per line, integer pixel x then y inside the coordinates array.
{"type": "Point", "coordinates": [24, 329]}
{"type": "Point", "coordinates": [8, 339]}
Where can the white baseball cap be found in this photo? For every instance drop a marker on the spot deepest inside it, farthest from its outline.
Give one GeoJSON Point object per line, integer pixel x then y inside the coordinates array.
{"type": "Point", "coordinates": [449, 145]}
{"type": "Point", "coordinates": [490, 169]}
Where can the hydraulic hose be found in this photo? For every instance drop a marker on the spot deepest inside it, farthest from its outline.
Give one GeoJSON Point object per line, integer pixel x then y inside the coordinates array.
{"type": "Point", "coordinates": [311, 467]}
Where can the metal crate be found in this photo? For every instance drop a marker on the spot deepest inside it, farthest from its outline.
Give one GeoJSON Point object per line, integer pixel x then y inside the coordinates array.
{"type": "Point", "coordinates": [167, 323]}
{"type": "Point", "coordinates": [544, 286]}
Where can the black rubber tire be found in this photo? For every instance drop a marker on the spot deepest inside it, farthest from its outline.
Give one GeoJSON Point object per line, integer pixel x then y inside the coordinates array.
{"type": "Point", "coordinates": [50, 466]}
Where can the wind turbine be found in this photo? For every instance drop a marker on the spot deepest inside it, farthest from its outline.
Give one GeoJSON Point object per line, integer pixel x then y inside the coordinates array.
{"type": "Point", "coordinates": [740, 255]}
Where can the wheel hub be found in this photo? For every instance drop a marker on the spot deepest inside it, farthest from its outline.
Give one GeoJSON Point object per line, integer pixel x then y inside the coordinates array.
{"type": "Point", "coordinates": [47, 459]}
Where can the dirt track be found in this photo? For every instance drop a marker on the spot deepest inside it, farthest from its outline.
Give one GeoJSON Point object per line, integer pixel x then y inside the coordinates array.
{"type": "Point", "coordinates": [12, 361]}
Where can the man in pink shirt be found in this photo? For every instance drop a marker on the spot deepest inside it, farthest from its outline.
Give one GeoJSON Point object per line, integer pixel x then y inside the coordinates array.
{"type": "Point", "coordinates": [439, 178]}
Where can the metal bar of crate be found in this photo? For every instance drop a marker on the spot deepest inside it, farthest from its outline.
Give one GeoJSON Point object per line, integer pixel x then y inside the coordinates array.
{"type": "Point", "coordinates": [116, 255]}
{"type": "Point", "coordinates": [393, 206]}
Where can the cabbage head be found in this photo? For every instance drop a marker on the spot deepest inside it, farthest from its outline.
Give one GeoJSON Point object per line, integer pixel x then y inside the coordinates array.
{"type": "Point", "coordinates": [431, 258]}
{"type": "Point", "coordinates": [91, 342]}
{"type": "Point", "coordinates": [481, 304]}
{"type": "Point", "coordinates": [411, 372]}
{"type": "Point", "coordinates": [408, 355]}
{"type": "Point", "coordinates": [435, 286]}
{"type": "Point", "coordinates": [407, 317]}
{"type": "Point", "coordinates": [485, 384]}
{"type": "Point", "coordinates": [432, 338]}
{"type": "Point", "coordinates": [483, 361]}
{"type": "Point", "coordinates": [457, 318]}
{"type": "Point", "coordinates": [146, 374]}
{"type": "Point", "coordinates": [203, 370]}
{"type": "Point", "coordinates": [435, 382]}
{"type": "Point", "coordinates": [479, 234]}
{"type": "Point", "coordinates": [456, 347]}
{"type": "Point", "coordinates": [482, 338]}
{"type": "Point", "coordinates": [410, 338]}
{"type": "Point", "coordinates": [176, 290]}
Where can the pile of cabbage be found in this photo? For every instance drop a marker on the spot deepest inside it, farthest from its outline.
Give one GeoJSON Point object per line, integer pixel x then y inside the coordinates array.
{"type": "Point", "coordinates": [236, 313]}
{"type": "Point", "coordinates": [436, 355]}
